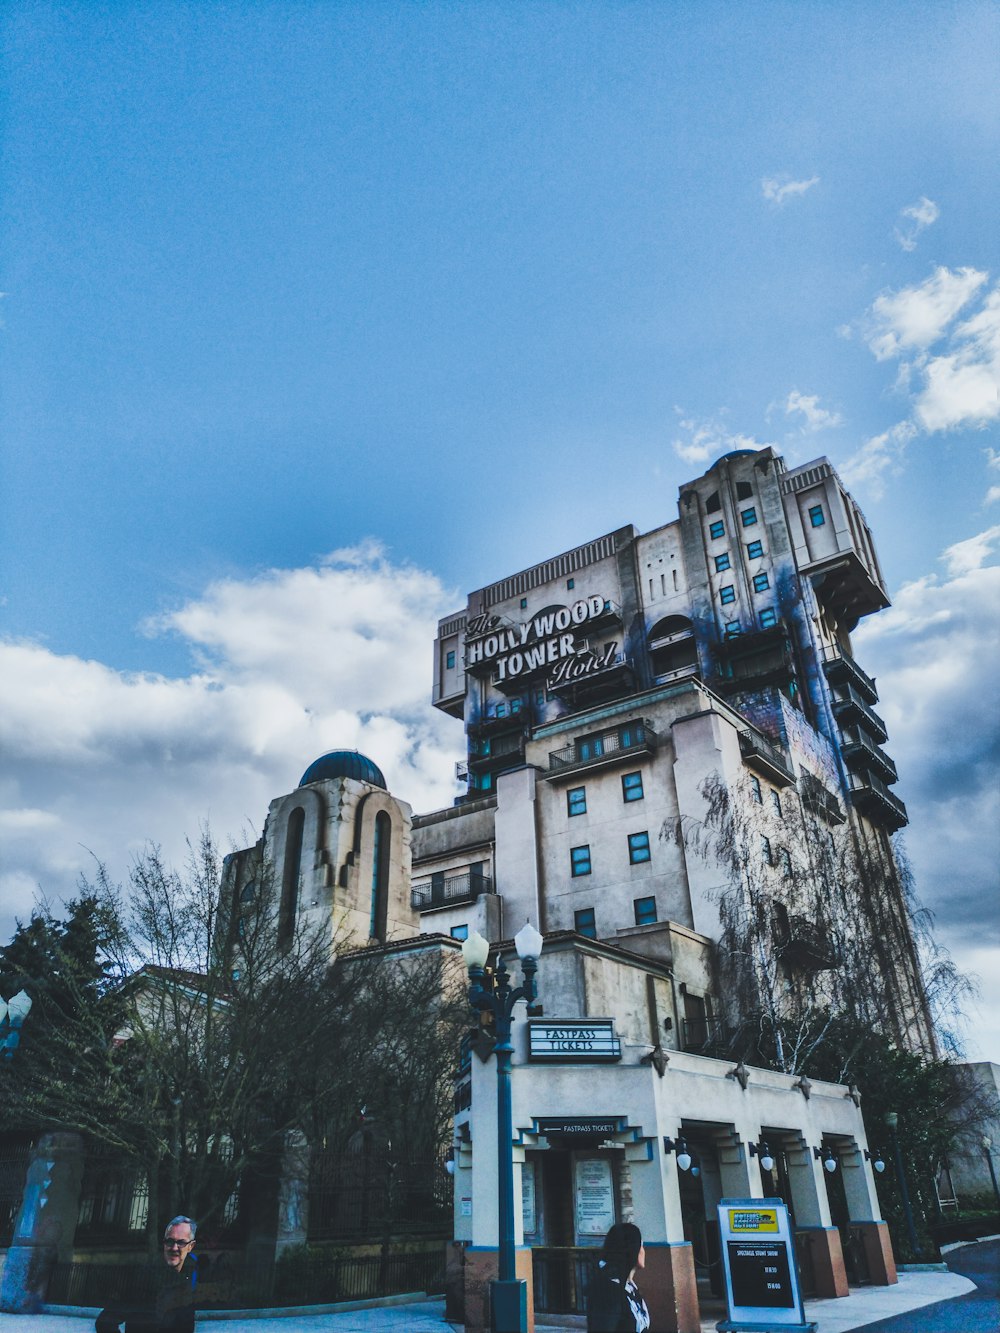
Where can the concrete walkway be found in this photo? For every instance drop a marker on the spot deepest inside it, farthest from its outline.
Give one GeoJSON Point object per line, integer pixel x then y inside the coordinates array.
{"type": "Point", "coordinates": [864, 1306]}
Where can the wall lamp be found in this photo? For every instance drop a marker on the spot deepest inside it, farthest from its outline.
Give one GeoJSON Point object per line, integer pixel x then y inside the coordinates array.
{"type": "Point", "coordinates": [680, 1147]}
{"type": "Point", "coordinates": [826, 1155]}
{"type": "Point", "coordinates": [878, 1161]}
{"type": "Point", "coordinates": [762, 1151]}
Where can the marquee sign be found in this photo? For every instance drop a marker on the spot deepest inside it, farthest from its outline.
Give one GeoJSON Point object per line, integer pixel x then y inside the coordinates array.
{"type": "Point", "coordinates": [577, 1041]}
{"type": "Point", "coordinates": [547, 640]}
{"type": "Point", "coordinates": [762, 1282]}
{"type": "Point", "coordinates": [585, 1129]}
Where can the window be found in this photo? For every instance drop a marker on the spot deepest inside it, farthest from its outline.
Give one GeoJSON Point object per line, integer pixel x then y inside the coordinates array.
{"type": "Point", "coordinates": [540, 697]}
{"type": "Point", "coordinates": [717, 529]}
{"type": "Point", "coordinates": [721, 562]}
{"type": "Point", "coordinates": [524, 603]}
{"type": "Point", "coordinates": [449, 661]}
{"type": "Point", "coordinates": [381, 850]}
{"type": "Point", "coordinates": [755, 550]}
{"type": "Point", "coordinates": [768, 617]}
{"type": "Point", "coordinates": [290, 877]}
{"type": "Point", "coordinates": [748, 517]}
{"type": "Point", "coordinates": [816, 516]}
{"type": "Point", "coordinates": [516, 704]}
{"type": "Point", "coordinates": [571, 584]}
{"type": "Point", "coordinates": [632, 787]}
{"type": "Point", "coordinates": [761, 583]}
{"type": "Point", "coordinates": [584, 923]}
{"type": "Point", "coordinates": [460, 932]}
{"type": "Point", "coordinates": [727, 594]}
{"type": "Point", "coordinates": [579, 861]}
{"type": "Point", "coordinates": [645, 911]}
{"type": "Point", "coordinates": [785, 861]}
{"type": "Point", "coordinates": [576, 801]}
{"type": "Point", "coordinates": [755, 789]}
{"type": "Point", "coordinates": [765, 850]}
{"type": "Point", "coordinates": [776, 802]}
{"type": "Point", "coordinates": [501, 710]}
{"type": "Point", "coordinates": [733, 627]}
{"type": "Point", "coordinates": [713, 504]}
{"type": "Point", "coordinates": [638, 848]}
{"type": "Point", "coordinates": [743, 490]}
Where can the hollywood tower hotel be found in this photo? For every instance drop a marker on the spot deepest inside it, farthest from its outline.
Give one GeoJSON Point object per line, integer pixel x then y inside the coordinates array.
{"type": "Point", "coordinates": [669, 739]}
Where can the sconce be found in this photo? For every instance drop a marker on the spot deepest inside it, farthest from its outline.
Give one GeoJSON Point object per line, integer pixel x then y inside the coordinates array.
{"type": "Point", "coordinates": [878, 1162]}
{"type": "Point", "coordinates": [678, 1146]}
{"type": "Point", "coordinates": [762, 1151]}
{"type": "Point", "coordinates": [826, 1155]}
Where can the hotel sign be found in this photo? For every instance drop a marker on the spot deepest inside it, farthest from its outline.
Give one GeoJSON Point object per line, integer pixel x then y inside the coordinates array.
{"type": "Point", "coordinates": [582, 1041]}
{"type": "Point", "coordinates": [547, 640]}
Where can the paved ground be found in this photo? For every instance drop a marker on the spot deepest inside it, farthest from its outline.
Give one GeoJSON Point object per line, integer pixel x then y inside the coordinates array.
{"type": "Point", "coordinates": [965, 1300]}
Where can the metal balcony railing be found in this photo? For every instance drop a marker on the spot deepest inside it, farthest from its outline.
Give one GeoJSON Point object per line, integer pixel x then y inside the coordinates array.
{"type": "Point", "coordinates": [627, 741]}
{"type": "Point", "coordinates": [872, 797]}
{"type": "Point", "coordinates": [451, 889]}
{"type": "Point", "coordinates": [859, 751]}
{"type": "Point", "coordinates": [850, 704]}
{"type": "Point", "coordinates": [839, 665]}
{"type": "Point", "coordinates": [767, 758]}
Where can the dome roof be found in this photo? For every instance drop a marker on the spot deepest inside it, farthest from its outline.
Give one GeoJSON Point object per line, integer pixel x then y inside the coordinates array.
{"type": "Point", "coordinates": [343, 764]}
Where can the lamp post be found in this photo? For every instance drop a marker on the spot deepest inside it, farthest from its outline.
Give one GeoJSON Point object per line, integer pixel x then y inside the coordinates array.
{"type": "Point", "coordinates": [987, 1143]}
{"type": "Point", "coordinates": [892, 1120]}
{"type": "Point", "coordinates": [13, 1012]}
{"type": "Point", "coordinates": [496, 995]}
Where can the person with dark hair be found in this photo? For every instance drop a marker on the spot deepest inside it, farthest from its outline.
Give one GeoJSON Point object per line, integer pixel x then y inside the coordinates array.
{"type": "Point", "coordinates": [613, 1301]}
{"type": "Point", "coordinates": [168, 1306]}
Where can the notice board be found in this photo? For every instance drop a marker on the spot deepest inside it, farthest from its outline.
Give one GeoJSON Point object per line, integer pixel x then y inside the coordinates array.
{"type": "Point", "coordinates": [762, 1282]}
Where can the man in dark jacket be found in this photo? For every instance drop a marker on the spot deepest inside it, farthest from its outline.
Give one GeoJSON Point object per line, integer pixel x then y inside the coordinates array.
{"type": "Point", "coordinates": [168, 1305]}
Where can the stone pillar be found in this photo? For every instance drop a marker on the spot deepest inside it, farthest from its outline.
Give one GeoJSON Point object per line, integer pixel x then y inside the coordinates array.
{"type": "Point", "coordinates": [669, 1287]}
{"type": "Point", "coordinates": [813, 1224]}
{"type": "Point", "coordinates": [46, 1222]}
{"type": "Point", "coordinates": [878, 1252]}
{"type": "Point", "coordinates": [293, 1193]}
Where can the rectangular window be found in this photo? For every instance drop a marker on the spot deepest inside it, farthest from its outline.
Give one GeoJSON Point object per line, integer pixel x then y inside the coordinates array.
{"type": "Point", "coordinates": [755, 550]}
{"type": "Point", "coordinates": [717, 530]}
{"type": "Point", "coordinates": [645, 911]}
{"type": "Point", "coordinates": [632, 787]}
{"type": "Point", "coordinates": [761, 583]}
{"type": "Point", "coordinates": [785, 861]}
{"type": "Point", "coordinates": [571, 584]}
{"type": "Point", "coordinates": [816, 516]}
{"type": "Point", "coordinates": [449, 661]}
{"type": "Point", "coordinates": [768, 617]}
{"type": "Point", "coordinates": [727, 594]}
{"type": "Point", "coordinates": [576, 801]}
{"type": "Point", "coordinates": [638, 848]}
{"type": "Point", "coordinates": [516, 704]}
{"type": "Point", "coordinates": [501, 710]}
{"type": "Point", "coordinates": [755, 789]}
{"type": "Point", "coordinates": [748, 517]}
{"type": "Point", "coordinates": [460, 932]}
{"type": "Point", "coordinates": [721, 562]}
{"type": "Point", "coordinates": [765, 850]}
{"type": "Point", "coordinates": [776, 802]}
{"type": "Point", "coordinates": [579, 861]}
{"type": "Point", "coordinates": [733, 627]}
{"type": "Point", "coordinates": [524, 603]}
{"type": "Point", "coordinates": [539, 697]}
{"type": "Point", "coordinates": [584, 923]}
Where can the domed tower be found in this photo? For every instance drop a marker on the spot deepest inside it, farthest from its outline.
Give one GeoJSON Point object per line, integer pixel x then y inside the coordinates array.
{"type": "Point", "coordinates": [336, 855]}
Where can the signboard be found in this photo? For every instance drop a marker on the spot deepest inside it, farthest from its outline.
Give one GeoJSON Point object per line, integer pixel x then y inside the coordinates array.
{"type": "Point", "coordinates": [762, 1282]}
{"type": "Point", "coordinates": [549, 639]}
{"type": "Point", "coordinates": [529, 1220]}
{"type": "Point", "coordinates": [579, 1041]}
{"type": "Point", "coordinates": [582, 1130]}
{"type": "Point", "coordinates": [593, 1196]}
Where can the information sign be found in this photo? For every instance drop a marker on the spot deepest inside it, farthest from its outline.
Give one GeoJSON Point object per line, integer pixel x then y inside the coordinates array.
{"type": "Point", "coordinates": [595, 1196]}
{"type": "Point", "coordinates": [762, 1282]}
{"type": "Point", "coordinates": [529, 1220]}
{"type": "Point", "coordinates": [584, 1041]}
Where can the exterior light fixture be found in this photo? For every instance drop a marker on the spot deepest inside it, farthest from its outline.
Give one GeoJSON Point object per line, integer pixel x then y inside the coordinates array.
{"type": "Point", "coordinates": [763, 1152]}
{"type": "Point", "coordinates": [679, 1146]}
{"type": "Point", "coordinates": [493, 993]}
{"type": "Point", "coordinates": [877, 1161]}
{"type": "Point", "coordinates": [828, 1158]}
{"type": "Point", "coordinates": [13, 1012]}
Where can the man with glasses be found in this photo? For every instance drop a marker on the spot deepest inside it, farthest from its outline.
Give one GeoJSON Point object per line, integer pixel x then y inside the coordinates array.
{"type": "Point", "coordinates": [168, 1306]}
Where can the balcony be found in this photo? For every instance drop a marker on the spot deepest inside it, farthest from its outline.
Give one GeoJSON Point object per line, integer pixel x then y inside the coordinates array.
{"type": "Point", "coordinates": [752, 660]}
{"type": "Point", "coordinates": [590, 675]}
{"type": "Point", "coordinates": [492, 753]}
{"type": "Point", "coordinates": [444, 890]}
{"type": "Point", "coordinates": [805, 945]}
{"type": "Point", "coordinates": [492, 724]}
{"type": "Point", "coordinates": [818, 800]}
{"type": "Point", "coordinates": [624, 744]}
{"type": "Point", "coordinates": [765, 758]}
{"type": "Point", "coordinates": [864, 755]}
{"type": "Point", "coordinates": [841, 669]}
{"type": "Point", "coordinates": [849, 706]}
{"type": "Point", "coordinates": [873, 798]}
{"type": "Point", "coordinates": [699, 1033]}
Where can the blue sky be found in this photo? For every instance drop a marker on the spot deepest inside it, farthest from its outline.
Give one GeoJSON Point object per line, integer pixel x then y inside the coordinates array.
{"type": "Point", "coordinates": [443, 289]}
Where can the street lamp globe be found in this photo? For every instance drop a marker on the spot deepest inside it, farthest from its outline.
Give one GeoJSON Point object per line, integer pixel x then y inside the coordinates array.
{"type": "Point", "coordinates": [475, 950]}
{"type": "Point", "coordinates": [528, 942]}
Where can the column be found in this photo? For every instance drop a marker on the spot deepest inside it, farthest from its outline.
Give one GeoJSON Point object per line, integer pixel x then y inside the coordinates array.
{"type": "Point", "coordinates": [820, 1250]}
{"type": "Point", "coordinates": [46, 1222]}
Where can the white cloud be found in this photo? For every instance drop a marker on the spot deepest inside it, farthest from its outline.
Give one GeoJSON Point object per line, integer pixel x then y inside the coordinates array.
{"type": "Point", "coordinates": [962, 385]}
{"type": "Point", "coordinates": [290, 664]}
{"type": "Point", "coordinates": [969, 555]}
{"type": "Point", "coordinates": [879, 457]}
{"type": "Point", "coordinates": [918, 217]}
{"type": "Point", "coordinates": [814, 416]}
{"type": "Point", "coordinates": [778, 189]}
{"type": "Point", "coordinates": [706, 439]}
{"type": "Point", "coordinates": [913, 318]}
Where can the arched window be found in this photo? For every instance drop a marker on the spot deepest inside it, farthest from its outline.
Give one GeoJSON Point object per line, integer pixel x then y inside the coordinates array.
{"type": "Point", "coordinates": [290, 877]}
{"type": "Point", "coordinates": [672, 646]}
{"type": "Point", "coordinates": [380, 876]}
